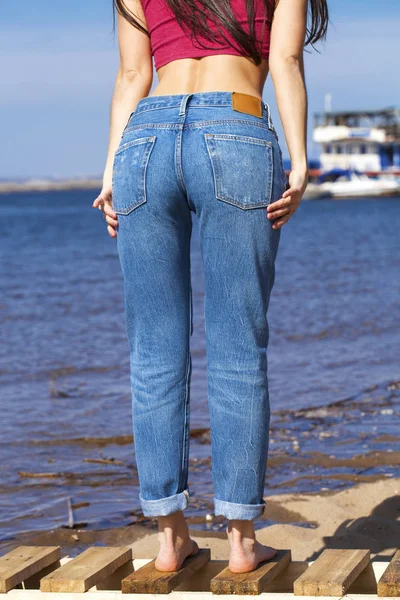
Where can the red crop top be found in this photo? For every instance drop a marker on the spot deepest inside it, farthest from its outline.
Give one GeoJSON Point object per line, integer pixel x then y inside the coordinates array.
{"type": "Point", "coordinates": [170, 42]}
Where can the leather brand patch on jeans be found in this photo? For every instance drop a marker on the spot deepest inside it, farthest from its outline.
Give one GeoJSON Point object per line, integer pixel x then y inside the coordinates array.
{"type": "Point", "coordinates": [247, 103]}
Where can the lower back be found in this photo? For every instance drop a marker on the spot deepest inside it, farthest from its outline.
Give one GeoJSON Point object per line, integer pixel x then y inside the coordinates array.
{"type": "Point", "coordinates": [222, 72]}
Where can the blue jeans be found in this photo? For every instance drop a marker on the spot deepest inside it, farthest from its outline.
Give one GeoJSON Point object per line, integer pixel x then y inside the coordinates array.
{"type": "Point", "coordinates": [194, 152]}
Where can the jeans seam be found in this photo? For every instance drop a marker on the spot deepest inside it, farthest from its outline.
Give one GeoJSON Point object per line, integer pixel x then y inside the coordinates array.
{"type": "Point", "coordinates": [163, 106]}
{"type": "Point", "coordinates": [214, 166]}
{"type": "Point", "coordinates": [237, 136]}
{"type": "Point", "coordinates": [127, 123]}
{"type": "Point", "coordinates": [144, 140]}
{"type": "Point", "coordinates": [200, 124]}
{"type": "Point", "coordinates": [247, 122]}
{"type": "Point", "coordinates": [178, 159]}
{"type": "Point", "coordinates": [188, 369]}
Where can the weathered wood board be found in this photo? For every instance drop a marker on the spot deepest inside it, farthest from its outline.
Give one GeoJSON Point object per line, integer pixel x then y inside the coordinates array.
{"type": "Point", "coordinates": [23, 562]}
{"type": "Point", "coordinates": [252, 582]}
{"type": "Point", "coordinates": [389, 583]}
{"type": "Point", "coordinates": [148, 580]}
{"type": "Point", "coordinates": [23, 569]}
{"type": "Point", "coordinates": [86, 570]}
{"type": "Point", "coordinates": [332, 573]}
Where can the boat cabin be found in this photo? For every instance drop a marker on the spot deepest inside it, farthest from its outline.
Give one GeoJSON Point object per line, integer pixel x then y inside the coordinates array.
{"type": "Point", "coordinates": [368, 141]}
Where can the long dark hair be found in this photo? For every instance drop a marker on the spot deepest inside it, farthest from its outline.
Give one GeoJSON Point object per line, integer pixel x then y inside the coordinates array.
{"type": "Point", "coordinates": [191, 14]}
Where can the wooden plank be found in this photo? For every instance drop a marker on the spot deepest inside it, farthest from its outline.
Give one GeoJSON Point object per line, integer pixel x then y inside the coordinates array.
{"type": "Point", "coordinates": [197, 594]}
{"type": "Point", "coordinates": [23, 562]}
{"type": "Point", "coordinates": [86, 569]}
{"type": "Point", "coordinates": [389, 583]}
{"type": "Point", "coordinates": [148, 580]}
{"type": "Point", "coordinates": [332, 573]}
{"type": "Point", "coordinates": [252, 582]}
{"type": "Point", "coordinates": [201, 581]}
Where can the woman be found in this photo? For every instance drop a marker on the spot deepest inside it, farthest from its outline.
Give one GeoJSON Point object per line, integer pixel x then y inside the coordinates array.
{"type": "Point", "coordinates": [204, 142]}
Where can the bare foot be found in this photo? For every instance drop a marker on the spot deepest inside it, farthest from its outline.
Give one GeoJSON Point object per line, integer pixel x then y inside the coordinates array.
{"type": "Point", "coordinates": [175, 542]}
{"type": "Point", "coordinates": [245, 552]}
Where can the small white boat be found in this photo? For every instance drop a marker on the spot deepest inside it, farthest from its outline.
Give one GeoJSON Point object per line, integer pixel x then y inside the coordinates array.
{"type": "Point", "coordinates": [314, 191]}
{"type": "Point", "coordinates": [345, 183]}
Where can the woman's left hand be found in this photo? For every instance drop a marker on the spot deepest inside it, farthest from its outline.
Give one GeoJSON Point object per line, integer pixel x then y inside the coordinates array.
{"type": "Point", "coordinates": [286, 206]}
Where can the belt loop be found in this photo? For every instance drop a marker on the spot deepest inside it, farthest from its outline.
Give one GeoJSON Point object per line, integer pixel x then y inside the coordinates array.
{"type": "Point", "coordinates": [267, 107]}
{"type": "Point", "coordinates": [182, 108]}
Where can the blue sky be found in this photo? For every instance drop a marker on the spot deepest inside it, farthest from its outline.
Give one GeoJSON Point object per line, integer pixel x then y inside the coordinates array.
{"type": "Point", "coordinates": [58, 63]}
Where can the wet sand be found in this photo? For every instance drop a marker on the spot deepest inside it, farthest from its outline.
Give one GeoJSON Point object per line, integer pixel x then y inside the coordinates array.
{"type": "Point", "coordinates": [313, 451]}
{"type": "Point", "coordinates": [363, 516]}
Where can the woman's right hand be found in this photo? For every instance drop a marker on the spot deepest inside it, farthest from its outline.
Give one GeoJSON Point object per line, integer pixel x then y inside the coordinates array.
{"type": "Point", "coordinates": [104, 203]}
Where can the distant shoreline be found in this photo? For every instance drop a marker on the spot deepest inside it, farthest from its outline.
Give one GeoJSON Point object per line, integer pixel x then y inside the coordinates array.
{"type": "Point", "coordinates": [43, 185]}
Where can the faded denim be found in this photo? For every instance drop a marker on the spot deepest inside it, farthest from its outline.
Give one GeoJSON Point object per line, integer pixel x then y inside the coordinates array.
{"type": "Point", "coordinates": [179, 154]}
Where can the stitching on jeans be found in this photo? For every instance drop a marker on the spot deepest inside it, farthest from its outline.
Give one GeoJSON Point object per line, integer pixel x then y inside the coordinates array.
{"type": "Point", "coordinates": [162, 105]}
{"type": "Point", "coordinates": [214, 166]}
{"type": "Point", "coordinates": [137, 142]}
{"type": "Point", "coordinates": [239, 138]}
{"type": "Point", "coordinates": [127, 123]}
{"type": "Point", "coordinates": [187, 389]}
{"type": "Point", "coordinates": [200, 124]}
{"type": "Point", "coordinates": [178, 164]}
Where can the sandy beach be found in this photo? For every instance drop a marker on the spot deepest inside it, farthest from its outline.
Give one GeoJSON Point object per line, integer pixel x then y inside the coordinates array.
{"type": "Point", "coordinates": [363, 516]}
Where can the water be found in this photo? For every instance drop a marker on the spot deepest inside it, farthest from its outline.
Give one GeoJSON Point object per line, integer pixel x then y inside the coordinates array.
{"type": "Point", "coordinates": [64, 365]}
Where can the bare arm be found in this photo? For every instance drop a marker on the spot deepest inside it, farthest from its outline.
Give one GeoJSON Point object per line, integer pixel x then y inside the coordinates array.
{"type": "Point", "coordinates": [286, 67]}
{"type": "Point", "coordinates": [133, 82]}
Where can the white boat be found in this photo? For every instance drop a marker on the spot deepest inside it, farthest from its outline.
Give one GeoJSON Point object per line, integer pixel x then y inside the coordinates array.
{"type": "Point", "coordinates": [366, 140]}
{"type": "Point", "coordinates": [314, 192]}
{"type": "Point", "coordinates": [345, 183]}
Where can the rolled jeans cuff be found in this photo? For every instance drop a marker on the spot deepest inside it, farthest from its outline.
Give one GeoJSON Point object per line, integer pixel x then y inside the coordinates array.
{"type": "Point", "coordinates": [233, 510]}
{"type": "Point", "coordinates": [164, 506]}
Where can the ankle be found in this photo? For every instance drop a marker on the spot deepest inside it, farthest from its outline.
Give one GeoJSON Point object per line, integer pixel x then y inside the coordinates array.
{"type": "Point", "coordinates": [241, 531]}
{"type": "Point", "coordinates": [173, 528]}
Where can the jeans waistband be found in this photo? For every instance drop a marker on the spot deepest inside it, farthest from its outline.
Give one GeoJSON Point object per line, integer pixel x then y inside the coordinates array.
{"type": "Point", "coordinates": [185, 101]}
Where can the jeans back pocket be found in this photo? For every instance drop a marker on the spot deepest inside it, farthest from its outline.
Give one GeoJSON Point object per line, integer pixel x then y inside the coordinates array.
{"type": "Point", "coordinates": [129, 174]}
{"type": "Point", "coordinates": [243, 168]}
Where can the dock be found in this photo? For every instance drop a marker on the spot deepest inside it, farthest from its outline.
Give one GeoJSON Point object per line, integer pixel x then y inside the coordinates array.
{"type": "Point", "coordinates": [108, 572]}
